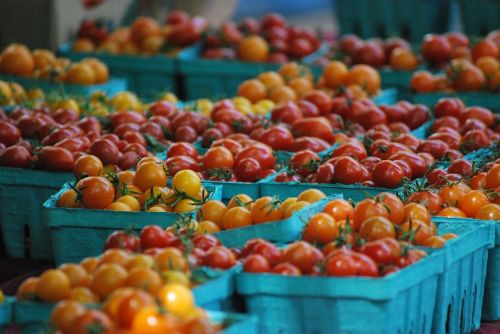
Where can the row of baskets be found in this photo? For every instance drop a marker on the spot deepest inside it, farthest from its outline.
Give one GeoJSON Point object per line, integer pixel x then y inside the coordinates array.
{"type": "Point", "coordinates": [441, 293]}
{"type": "Point", "coordinates": [413, 19]}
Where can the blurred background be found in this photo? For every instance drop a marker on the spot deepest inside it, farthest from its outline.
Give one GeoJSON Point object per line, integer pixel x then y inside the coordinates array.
{"type": "Point", "coordinates": [52, 22]}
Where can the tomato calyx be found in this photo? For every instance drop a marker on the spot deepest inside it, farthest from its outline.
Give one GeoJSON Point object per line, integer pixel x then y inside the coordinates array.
{"type": "Point", "coordinates": [410, 234]}
{"type": "Point", "coordinates": [274, 204]}
{"type": "Point", "coordinates": [240, 203]}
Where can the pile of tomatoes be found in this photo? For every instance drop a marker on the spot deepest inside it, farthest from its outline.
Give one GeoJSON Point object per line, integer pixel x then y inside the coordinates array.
{"type": "Point", "coordinates": [145, 35]}
{"type": "Point", "coordinates": [269, 40]}
{"type": "Point", "coordinates": [226, 160]}
{"type": "Point", "coordinates": [466, 68]}
{"type": "Point", "coordinates": [373, 238]}
{"type": "Point", "coordinates": [461, 128]}
{"type": "Point", "coordinates": [144, 189]}
{"type": "Point", "coordinates": [135, 311]}
{"type": "Point", "coordinates": [17, 59]}
{"type": "Point", "coordinates": [461, 191]}
{"type": "Point", "coordinates": [394, 52]}
{"type": "Point", "coordinates": [125, 285]}
{"type": "Point", "coordinates": [294, 82]}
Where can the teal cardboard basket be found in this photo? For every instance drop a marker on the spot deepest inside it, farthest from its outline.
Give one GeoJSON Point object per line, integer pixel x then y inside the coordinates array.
{"type": "Point", "coordinates": [461, 284]}
{"type": "Point", "coordinates": [79, 233]}
{"type": "Point", "coordinates": [6, 311]}
{"type": "Point", "coordinates": [147, 76]}
{"type": "Point", "coordinates": [482, 19]}
{"type": "Point", "coordinates": [386, 18]}
{"type": "Point", "coordinates": [217, 294]}
{"type": "Point", "coordinates": [22, 193]}
{"type": "Point", "coordinates": [231, 189]}
{"type": "Point", "coordinates": [215, 79]}
{"type": "Point", "coordinates": [356, 192]}
{"type": "Point", "coordinates": [113, 86]}
{"type": "Point", "coordinates": [237, 323]}
{"type": "Point", "coordinates": [484, 155]}
{"type": "Point", "coordinates": [491, 305]}
{"type": "Point", "coordinates": [488, 100]}
{"type": "Point", "coordinates": [321, 305]}
{"type": "Point", "coordinates": [422, 131]}
{"type": "Point", "coordinates": [283, 231]}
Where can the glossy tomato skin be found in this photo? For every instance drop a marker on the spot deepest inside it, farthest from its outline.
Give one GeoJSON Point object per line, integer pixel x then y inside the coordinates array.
{"type": "Point", "coordinates": [308, 143]}
{"type": "Point", "coordinates": [9, 133]}
{"type": "Point", "coordinates": [256, 263]}
{"type": "Point", "coordinates": [285, 177]}
{"type": "Point", "coordinates": [436, 148]}
{"type": "Point", "coordinates": [474, 140]}
{"type": "Point", "coordinates": [436, 49]}
{"type": "Point", "coordinates": [210, 135]}
{"type": "Point", "coordinates": [417, 164]}
{"type": "Point", "coordinates": [260, 152]}
{"type": "Point", "coordinates": [286, 112]}
{"type": "Point", "coordinates": [462, 167]}
{"type": "Point", "coordinates": [122, 240]}
{"type": "Point", "coordinates": [325, 173]}
{"type": "Point", "coordinates": [153, 236]}
{"type": "Point", "coordinates": [349, 171]}
{"type": "Point", "coordinates": [417, 116]}
{"type": "Point", "coordinates": [277, 137]}
{"type": "Point", "coordinates": [247, 170]}
{"type": "Point", "coordinates": [56, 159]}
{"type": "Point", "coordinates": [308, 109]}
{"type": "Point", "coordinates": [219, 257]}
{"type": "Point", "coordinates": [182, 148]}
{"type": "Point", "coordinates": [178, 163]}
{"type": "Point", "coordinates": [449, 106]}
{"type": "Point", "coordinates": [304, 162]}
{"type": "Point", "coordinates": [105, 150]}
{"type": "Point", "coordinates": [387, 174]}
{"type": "Point", "coordinates": [15, 156]}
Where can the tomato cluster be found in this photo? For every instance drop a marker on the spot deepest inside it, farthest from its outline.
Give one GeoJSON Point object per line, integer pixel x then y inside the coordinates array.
{"type": "Point", "coordinates": [466, 68]}
{"type": "Point", "coordinates": [269, 40]}
{"type": "Point", "coordinates": [127, 284]}
{"type": "Point", "coordinates": [389, 155]}
{"type": "Point", "coordinates": [293, 82]}
{"type": "Point", "coordinates": [17, 59]}
{"type": "Point", "coordinates": [136, 311]}
{"type": "Point", "coordinates": [144, 189]}
{"type": "Point", "coordinates": [461, 191]}
{"type": "Point", "coordinates": [461, 128]}
{"type": "Point", "coordinates": [144, 36]}
{"type": "Point", "coordinates": [373, 238]}
{"type": "Point", "coordinates": [394, 52]}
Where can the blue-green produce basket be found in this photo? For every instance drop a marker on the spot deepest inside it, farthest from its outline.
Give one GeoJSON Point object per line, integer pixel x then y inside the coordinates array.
{"type": "Point", "coordinates": [215, 79]}
{"type": "Point", "coordinates": [461, 284]}
{"type": "Point", "coordinates": [307, 304]}
{"type": "Point", "coordinates": [6, 311]}
{"type": "Point", "coordinates": [480, 18]}
{"type": "Point", "coordinates": [147, 76]}
{"type": "Point", "coordinates": [491, 305]}
{"type": "Point", "coordinates": [79, 233]}
{"type": "Point", "coordinates": [236, 323]}
{"type": "Point", "coordinates": [386, 18]}
{"type": "Point", "coordinates": [217, 293]}
{"type": "Point", "coordinates": [113, 86]}
{"type": "Point", "coordinates": [282, 231]}
{"type": "Point", "coordinates": [22, 194]}
{"type": "Point", "coordinates": [490, 100]}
